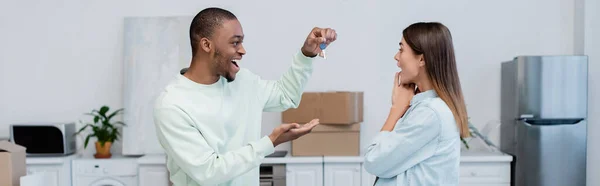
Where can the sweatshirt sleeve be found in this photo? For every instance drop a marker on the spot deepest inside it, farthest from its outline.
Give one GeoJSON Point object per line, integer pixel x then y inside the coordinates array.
{"type": "Point", "coordinates": [280, 95]}
{"type": "Point", "coordinates": [185, 144]}
{"type": "Point", "coordinates": [411, 141]}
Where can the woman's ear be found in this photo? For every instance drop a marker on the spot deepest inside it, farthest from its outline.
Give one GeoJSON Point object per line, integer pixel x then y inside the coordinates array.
{"type": "Point", "coordinates": [421, 60]}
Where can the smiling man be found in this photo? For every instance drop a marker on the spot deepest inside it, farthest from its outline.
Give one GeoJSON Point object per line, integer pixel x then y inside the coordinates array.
{"type": "Point", "coordinates": [208, 119]}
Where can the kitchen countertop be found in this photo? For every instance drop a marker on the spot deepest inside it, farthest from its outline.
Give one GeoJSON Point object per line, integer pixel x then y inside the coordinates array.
{"type": "Point", "coordinates": [484, 156]}
{"type": "Point", "coordinates": [48, 160]}
{"type": "Point", "coordinates": [160, 159]}
{"type": "Point", "coordinates": [466, 157]}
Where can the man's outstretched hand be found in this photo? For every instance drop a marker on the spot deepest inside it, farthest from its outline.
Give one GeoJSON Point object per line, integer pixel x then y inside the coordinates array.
{"type": "Point", "coordinates": [287, 132]}
{"type": "Point", "coordinates": [315, 38]}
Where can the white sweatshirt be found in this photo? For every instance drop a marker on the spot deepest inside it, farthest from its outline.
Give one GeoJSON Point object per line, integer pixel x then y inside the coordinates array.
{"type": "Point", "coordinates": [211, 134]}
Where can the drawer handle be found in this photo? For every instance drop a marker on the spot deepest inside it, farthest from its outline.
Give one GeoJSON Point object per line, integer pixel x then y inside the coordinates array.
{"type": "Point", "coordinates": [473, 174]}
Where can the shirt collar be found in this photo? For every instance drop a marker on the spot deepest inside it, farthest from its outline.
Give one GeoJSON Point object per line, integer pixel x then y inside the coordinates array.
{"type": "Point", "coordinates": [189, 83]}
{"type": "Point", "coordinates": [422, 96]}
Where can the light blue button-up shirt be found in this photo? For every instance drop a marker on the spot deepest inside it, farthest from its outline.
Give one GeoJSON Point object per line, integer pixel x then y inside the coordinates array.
{"type": "Point", "coordinates": [423, 148]}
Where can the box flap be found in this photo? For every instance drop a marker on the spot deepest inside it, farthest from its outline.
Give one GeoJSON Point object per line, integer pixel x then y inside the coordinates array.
{"type": "Point", "coordinates": [6, 146]}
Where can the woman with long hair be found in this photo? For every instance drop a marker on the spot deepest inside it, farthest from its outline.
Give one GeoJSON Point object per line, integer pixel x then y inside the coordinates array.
{"type": "Point", "coordinates": [419, 144]}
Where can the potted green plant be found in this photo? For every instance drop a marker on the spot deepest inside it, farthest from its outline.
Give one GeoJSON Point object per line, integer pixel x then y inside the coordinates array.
{"type": "Point", "coordinates": [471, 127]}
{"type": "Point", "coordinates": [104, 129]}
{"type": "Point", "coordinates": [476, 134]}
{"type": "Point", "coordinates": [464, 142]}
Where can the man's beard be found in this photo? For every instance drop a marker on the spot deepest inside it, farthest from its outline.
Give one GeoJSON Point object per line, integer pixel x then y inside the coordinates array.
{"type": "Point", "coordinates": [222, 65]}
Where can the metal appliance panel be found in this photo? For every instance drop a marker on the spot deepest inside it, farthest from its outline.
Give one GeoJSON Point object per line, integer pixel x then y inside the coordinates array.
{"type": "Point", "coordinates": [551, 154]}
{"type": "Point", "coordinates": [552, 86]}
{"type": "Point", "coordinates": [509, 106]}
{"type": "Point", "coordinates": [544, 119]}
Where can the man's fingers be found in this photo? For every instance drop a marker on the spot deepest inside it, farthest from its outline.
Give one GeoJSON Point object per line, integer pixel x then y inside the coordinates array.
{"type": "Point", "coordinates": [322, 33]}
{"type": "Point", "coordinates": [301, 131]}
{"type": "Point", "coordinates": [318, 40]}
{"type": "Point", "coordinates": [294, 130]}
{"type": "Point", "coordinates": [328, 34]}
{"type": "Point", "coordinates": [311, 124]}
{"type": "Point", "coordinates": [306, 128]}
{"type": "Point", "coordinates": [286, 127]}
{"type": "Point", "coordinates": [317, 29]}
{"type": "Point", "coordinates": [316, 32]}
{"type": "Point", "coordinates": [331, 35]}
{"type": "Point", "coordinates": [334, 36]}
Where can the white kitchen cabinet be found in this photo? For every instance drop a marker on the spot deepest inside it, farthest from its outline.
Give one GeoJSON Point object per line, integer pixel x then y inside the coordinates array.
{"type": "Point", "coordinates": [342, 174]}
{"type": "Point", "coordinates": [53, 172]}
{"type": "Point", "coordinates": [485, 168]}
{"type": "Point", "coordinates": [58, 169]}
{"type": "Point", "coordinates": [153, 175]}
{"type": "Point", "coordinates": [152, 171]}
{"type": "Point", "coordinates": [471, 174]}
{"type": "Point", "coordinates": [484, 173]}
{"type": "Point", "coordinates": [367, 178]}
{"type": "Point", "coordinates": [304, 174]}
{"type": "Point", "coordinates": [476, 169]}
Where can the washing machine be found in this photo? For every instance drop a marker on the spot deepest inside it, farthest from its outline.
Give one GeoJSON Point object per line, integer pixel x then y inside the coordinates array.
{"type": "Point", "coordinates": [116, 171]}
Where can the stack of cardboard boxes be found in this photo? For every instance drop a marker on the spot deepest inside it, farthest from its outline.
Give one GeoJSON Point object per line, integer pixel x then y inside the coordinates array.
{"type": "Point", "coordinates": [12, 163]}
{"type": "Point", "coordinates": [339, 114]}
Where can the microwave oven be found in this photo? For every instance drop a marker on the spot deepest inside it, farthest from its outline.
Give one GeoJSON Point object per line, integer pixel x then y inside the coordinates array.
{"type": "Point", "coordinates": [56, 139]}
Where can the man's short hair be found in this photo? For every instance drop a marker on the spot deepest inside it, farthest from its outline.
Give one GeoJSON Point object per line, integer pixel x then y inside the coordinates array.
{"type": "Point", "coordinates": [205, 22]}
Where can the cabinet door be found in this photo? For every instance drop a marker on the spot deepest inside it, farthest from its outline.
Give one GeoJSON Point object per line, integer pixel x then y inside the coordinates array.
{"type": "Point", "coordinates": [304, 174]}
{"type": "Point", "coordinates": [484, 173]}
{"type": "Point", "coordinates": [52, 172]}
{"type": "Point", "coordinates": [342, 174]}
{"type": "Point", "coordinates": [367, 178]}
{"type": "Point", "coordinates": [153, 176]}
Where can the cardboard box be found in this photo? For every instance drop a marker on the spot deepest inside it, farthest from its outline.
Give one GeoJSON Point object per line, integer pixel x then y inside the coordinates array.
{"type": "Point", "coordinates": [329, 140]}
{"type": "Point", "coordinates": [12, 163]}
{"type": "Point", "coordinates": [330, 107]}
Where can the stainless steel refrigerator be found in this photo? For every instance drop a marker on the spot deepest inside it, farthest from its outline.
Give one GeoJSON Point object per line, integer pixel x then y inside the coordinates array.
{"type": "Point", "coordinates": [544, 119]}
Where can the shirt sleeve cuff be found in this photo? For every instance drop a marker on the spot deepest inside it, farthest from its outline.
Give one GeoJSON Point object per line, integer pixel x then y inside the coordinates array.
{"type": "Point", "coordinates": [300, 57]}
{"type": "Point", "coordinates": [264, 146]}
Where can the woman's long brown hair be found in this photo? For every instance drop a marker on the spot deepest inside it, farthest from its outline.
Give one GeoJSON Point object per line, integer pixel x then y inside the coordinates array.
{"type": "Point", "coordinates": [434, 41]}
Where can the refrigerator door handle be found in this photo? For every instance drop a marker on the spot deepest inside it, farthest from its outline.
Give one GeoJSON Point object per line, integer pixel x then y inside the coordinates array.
{"type": "Point", "coordinates": [561, 121]}
{"type": "Point", "coordinates": [526, 116]}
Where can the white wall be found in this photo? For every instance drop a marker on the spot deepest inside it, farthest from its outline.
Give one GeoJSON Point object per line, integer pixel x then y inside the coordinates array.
{"type": "Point", "coordinates": [485, 34]}
{"type": "Point", "coordinates": [592, 49]}
{"type": "Point", "coordinates": [59, 60]}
